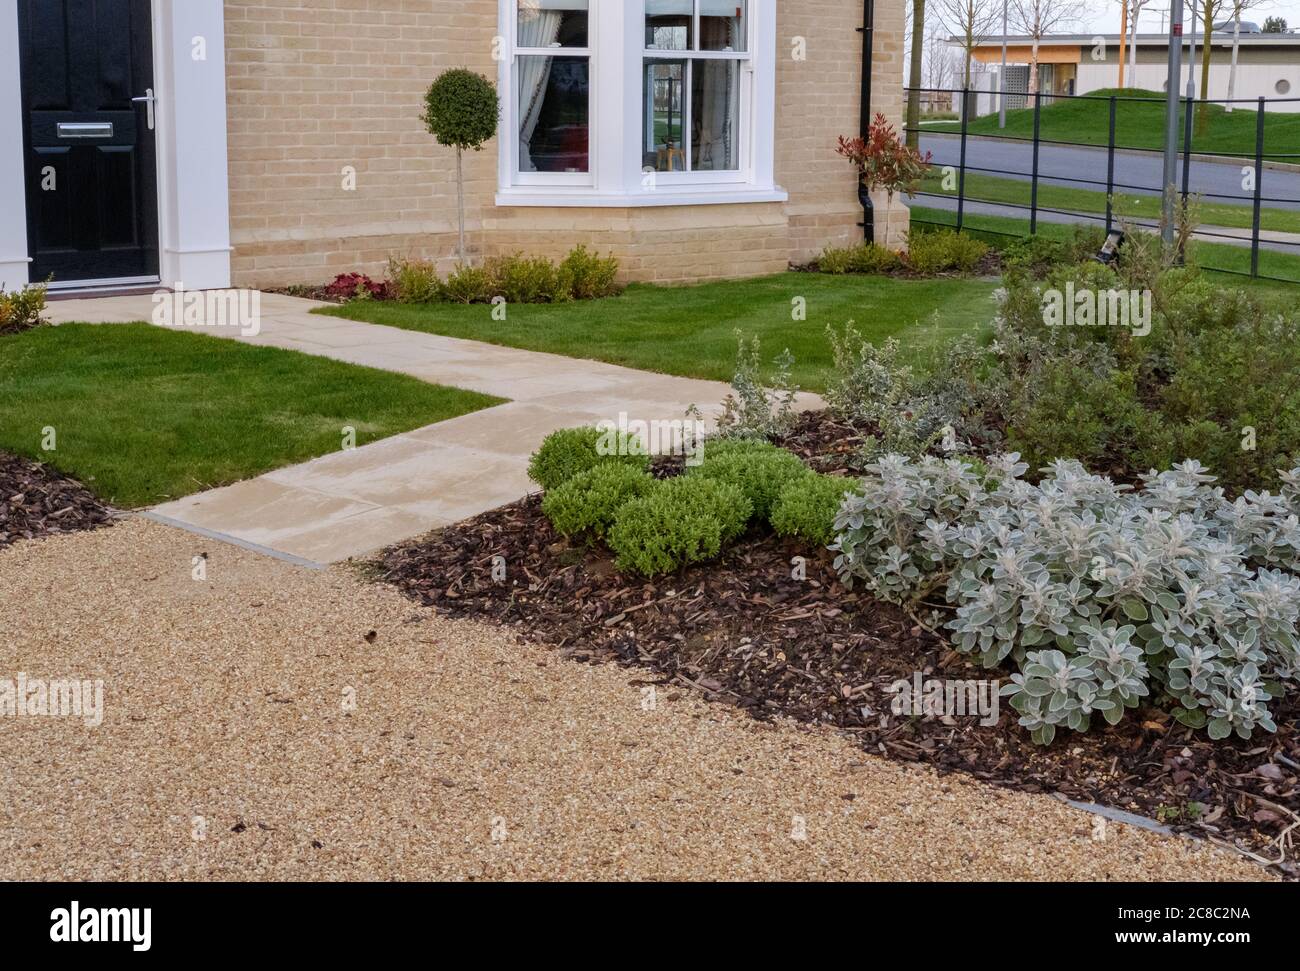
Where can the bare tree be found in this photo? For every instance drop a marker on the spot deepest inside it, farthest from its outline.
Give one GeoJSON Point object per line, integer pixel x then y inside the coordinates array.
{"type": "Point", "coordinates": [1037, 19]}
{"type": "Point", "coordinates": [914, 74]}
{"type": "Point", "coordinates": [1135, 13]}
{"type": "Point", "coordinates": [1238, 8]}
{"type": "Point", "coordinates": [1207, 11]}
{"type": "Point", "coordinates": [969, 21]}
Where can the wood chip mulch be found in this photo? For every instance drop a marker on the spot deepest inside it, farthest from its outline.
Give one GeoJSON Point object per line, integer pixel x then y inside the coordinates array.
{"type": "Point", "coordinates": [36, 501]}
{"type": "Point", "coordinates": [745, 631]}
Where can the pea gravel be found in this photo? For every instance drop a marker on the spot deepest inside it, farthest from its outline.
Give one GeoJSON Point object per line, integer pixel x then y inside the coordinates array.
{"type": "Point", "coordinates": [227, 750]}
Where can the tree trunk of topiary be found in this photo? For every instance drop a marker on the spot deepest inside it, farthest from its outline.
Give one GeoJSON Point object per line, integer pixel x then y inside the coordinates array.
{"type": "Point", "coordinates": [460, 201]}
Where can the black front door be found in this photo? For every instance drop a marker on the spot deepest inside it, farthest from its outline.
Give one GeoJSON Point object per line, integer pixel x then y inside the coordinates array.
{"type": "Point", "coordinates": [92, 195]}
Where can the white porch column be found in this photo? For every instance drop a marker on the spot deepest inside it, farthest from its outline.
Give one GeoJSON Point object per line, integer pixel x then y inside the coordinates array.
{"type": "Point", "coordinates": [13, 183]}
{"type": "Point", "coordinates": [194, 198]}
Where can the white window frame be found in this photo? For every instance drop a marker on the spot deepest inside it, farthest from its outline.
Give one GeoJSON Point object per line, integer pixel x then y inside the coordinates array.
{"type": "Point", "coordinates": [511, 102]}
{"type": "Point", "coordinates": [617, 52]}
{"type": "Point", "coordinates": [744, 112]}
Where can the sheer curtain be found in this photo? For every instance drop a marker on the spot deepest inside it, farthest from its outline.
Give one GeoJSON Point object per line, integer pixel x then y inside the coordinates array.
{"type": "Point", "coordinates": [539, 30]}
{"type": "Point", "coordinates": [712, 137]}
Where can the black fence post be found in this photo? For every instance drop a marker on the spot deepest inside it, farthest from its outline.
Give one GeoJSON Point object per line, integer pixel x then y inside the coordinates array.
{"type": "Point", "coordinates": [1187, 150]}
{"type": "Point", "coordinates": [1259, 179]}
{"type": "Point", "coordinates": [1110, 167]}
{"type": "Point", "coordinates": [961, 170]}
{"type": "Point", "coordinates": [1033, 189]}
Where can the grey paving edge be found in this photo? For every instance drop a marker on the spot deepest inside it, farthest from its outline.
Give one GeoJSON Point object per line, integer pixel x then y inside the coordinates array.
{"type": "Point", "coordinates": [1119, 816]}
{"type": "Point", "coordinates": [234, 541]}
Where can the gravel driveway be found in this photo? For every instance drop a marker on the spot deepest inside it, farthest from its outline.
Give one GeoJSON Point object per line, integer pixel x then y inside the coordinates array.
{"type": "Point", "coordinates": [272, 722]}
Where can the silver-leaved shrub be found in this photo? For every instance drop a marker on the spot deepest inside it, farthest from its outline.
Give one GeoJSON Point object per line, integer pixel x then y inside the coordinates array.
{"type": "Point", "coordinates": [1100, 595]}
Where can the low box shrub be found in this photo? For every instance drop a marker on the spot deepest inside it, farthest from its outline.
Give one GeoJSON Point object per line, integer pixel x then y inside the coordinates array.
{"type": "Point", "coordinates": [586, 276]}
{"type": "Point", "coordinates": [569, 451]}
{"type": "Point", "coordinates": [808, 505]}
{"type": "Point", "coordinates": [587, 503]}
{"type": "Point", "coordinates": [523, 279]}
{"type": "Point", "coordinates": [682, 521]}
{"type": "Point", "coordinates": [759, 473]}
{"type": "Point", "coordinates": [943, 251]}
{"type": "Point", "coordinates": [414, 281]}
{"type": "Point", "coordinates": [1101, 598]}
{"type": "Point", "coordinates": [469, 284]}
{"type": "Point", "coordinates": [22, 309]}
{"type": "Point", "coordinates": [862, 258]}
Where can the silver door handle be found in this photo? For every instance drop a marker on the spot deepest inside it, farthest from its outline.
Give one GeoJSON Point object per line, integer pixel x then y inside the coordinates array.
{"type": "Point", "coordinates": [149, 101]}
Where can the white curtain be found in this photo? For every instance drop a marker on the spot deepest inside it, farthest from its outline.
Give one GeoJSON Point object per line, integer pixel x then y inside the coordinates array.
{"type": "Point", "coordinates": [539, 30]}
{"type": "Point", "coordinates": [713, 137]}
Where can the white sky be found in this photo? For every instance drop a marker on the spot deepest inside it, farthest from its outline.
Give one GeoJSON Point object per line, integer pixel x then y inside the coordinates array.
{"type": "Point", "coordinates": [1105, 16]}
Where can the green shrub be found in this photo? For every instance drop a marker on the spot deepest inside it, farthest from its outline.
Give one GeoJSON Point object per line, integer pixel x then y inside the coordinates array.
{"type": "Point", "coordinates": [807, 507]}
{"type": "Point", "coordinates": [862, 258]}
{"type": "Point", "coordinates": [585, 276]}
{"type": "Point", "coordinates": [1104, 599]}
{"type": "Point", "coordinates": [588, 502]}
{"type": "Point", "coordinates": [469, 284]}
{"type": "Point", "coordinates": [943, 251]}
{"type": "Point", "coordinates": [522, 279]}
{"type": "Point", "coordinates": [682, 521]}
{"type": "Point", "coordinates": [759, 473]}
{"type": "Point", "coordinates": [1037, 255]}
{"type": "Point", "coordinates": [1076, 414]}
{"type": "Point", "coordinates": [21, 309]}
{"type": "Point", "coordinates": [414, 281]}
{"type": "Point", "coordinates": [569, 451]}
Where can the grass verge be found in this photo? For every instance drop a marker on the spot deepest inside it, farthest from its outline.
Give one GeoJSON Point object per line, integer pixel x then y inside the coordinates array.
{"type": "Point", "coordinates": [142, 415]}
{"type": "Point", "coordinates": [690, 331]}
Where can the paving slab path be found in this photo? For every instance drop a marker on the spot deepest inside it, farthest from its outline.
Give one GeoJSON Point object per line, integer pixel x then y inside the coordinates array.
{"type": "Point", "coordinates": [354, 502]}
{"type": "Point", "coordinates": [278, 723]}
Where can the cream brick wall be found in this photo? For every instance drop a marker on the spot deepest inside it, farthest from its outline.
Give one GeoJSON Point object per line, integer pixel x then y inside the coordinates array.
{"type": "Point", "coordinates": [315, 86]}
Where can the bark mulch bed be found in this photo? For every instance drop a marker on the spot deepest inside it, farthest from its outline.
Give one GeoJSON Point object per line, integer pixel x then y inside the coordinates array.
{"type": "Point", "coordinates": [37, 501]}
{"type": "Point", "coordinates": [743, 631]}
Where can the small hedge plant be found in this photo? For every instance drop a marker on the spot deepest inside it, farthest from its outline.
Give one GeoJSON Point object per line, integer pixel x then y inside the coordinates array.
{"type": "Point", "coordinates": [807, 507]}
{"type": "Point", "coordinates": [21, 309]}
{"type": "Point", "coordinates": [588, 503]}
{"type": "Point", "coordinates": [759, 470]}
{"type": "Point", "coordinates": [515, 278]}
{"type": "Point", "coordinates": [863, 258]}
{"type": "Point", "coordinates": [682, 521]}
{"type": "Point", "coordinates": [944, 251]}
{"type": "Point", "coordinates": [570, 451]}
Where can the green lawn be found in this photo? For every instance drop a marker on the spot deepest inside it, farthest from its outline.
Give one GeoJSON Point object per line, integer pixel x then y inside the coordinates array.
{"type": "Point", "coordinates": [1211, 256]}
{"type": "Point", "coordinates": [992, 188]}
{"type": "Point", "coordinates": [1141, 124]}
{"type": "Point", "coordinates": [690, 331]}
{"type": "Point", "coordinates": [143, 415]}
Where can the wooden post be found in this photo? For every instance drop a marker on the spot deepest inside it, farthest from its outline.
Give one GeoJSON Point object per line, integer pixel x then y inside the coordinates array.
{"type": "Point", "coordinates": [1123, 35]}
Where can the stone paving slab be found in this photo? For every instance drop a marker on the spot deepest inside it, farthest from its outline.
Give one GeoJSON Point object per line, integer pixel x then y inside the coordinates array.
{"type": "Point", "coordinates": [352, 503]}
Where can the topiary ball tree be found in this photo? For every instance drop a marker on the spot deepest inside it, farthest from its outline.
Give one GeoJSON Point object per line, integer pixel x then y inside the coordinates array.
{"type": "Point", "coordinates": [461, 108]}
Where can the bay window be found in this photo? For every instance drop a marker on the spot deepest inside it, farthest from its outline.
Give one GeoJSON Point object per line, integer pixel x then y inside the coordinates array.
{"type": "Point", "coordinates": [637, 102]}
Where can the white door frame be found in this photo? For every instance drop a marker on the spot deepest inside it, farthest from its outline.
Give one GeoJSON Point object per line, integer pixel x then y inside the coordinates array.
{"type": "Point", "coordinates": [193, 181]}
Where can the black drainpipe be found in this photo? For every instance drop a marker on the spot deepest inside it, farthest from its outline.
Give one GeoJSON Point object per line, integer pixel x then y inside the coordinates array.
{"type": "Point", "coordinates": [867, 30]}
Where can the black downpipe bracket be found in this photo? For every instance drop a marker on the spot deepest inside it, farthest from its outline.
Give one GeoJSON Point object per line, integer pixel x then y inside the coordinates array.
{"type": "Point", "coordinates": [867, 31]}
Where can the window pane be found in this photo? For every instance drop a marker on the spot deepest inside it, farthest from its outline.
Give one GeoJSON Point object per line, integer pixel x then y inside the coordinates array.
{"type": "Point", "coordinates": [715, 109]}
{"type": "Point", "coordinates": [669, 25]}
{"type": "Point", "coordinates": [722, 25]}
{"type": "Point", "coordinates": [554, 113]}
{"type": "Point", "coordinates": [664, 122]}
{"type": "Point", "coordinates": [553, 23]}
